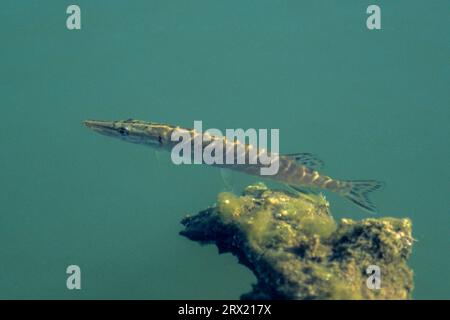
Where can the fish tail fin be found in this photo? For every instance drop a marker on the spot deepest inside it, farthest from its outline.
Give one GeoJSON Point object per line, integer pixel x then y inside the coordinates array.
{"type": "Point", "coordinates": [358, 192]}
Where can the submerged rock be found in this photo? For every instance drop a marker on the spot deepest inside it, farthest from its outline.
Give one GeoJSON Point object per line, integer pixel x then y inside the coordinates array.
{"type": "Point", "coordinates": [297, 250]}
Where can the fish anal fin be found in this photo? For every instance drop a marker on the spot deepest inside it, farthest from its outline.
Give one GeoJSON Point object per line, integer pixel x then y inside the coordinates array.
{"type": "Point", "coordinates": [308, 160]}
{"type": "Point", "coordinates": [303, 190]}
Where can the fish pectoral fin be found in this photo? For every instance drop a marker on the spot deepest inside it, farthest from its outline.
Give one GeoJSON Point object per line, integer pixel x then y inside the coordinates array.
{"type": "Point", "coordinates": [158, 154]}
{"type": "Point", "coordinates": [307, 159]}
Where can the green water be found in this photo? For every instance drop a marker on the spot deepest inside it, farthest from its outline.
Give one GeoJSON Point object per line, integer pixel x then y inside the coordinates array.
{"type": "Point", "coordinates": [372, 104]}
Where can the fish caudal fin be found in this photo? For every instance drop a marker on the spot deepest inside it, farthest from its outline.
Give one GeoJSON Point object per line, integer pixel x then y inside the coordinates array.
{"type": "Point", "coordinates": [358, 192]}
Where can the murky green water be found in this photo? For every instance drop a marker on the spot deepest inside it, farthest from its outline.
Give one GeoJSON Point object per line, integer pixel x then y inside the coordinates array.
{"type": "Point", "coordinates": [372, 104]}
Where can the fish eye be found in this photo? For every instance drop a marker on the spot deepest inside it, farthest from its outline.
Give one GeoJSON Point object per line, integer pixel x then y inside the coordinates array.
{"type": "Point", "coordinates": [123, 131]}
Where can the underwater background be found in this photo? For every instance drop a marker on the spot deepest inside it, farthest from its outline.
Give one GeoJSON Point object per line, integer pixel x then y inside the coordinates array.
{"type": "Point", "coordinates": [371, 104]}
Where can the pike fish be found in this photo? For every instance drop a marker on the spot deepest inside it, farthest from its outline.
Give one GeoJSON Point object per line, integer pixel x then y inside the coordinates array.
{"type": "Point", "coordinates": [299, 171]}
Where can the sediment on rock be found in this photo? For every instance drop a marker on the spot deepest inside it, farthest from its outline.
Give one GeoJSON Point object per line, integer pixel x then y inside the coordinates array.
{"type": "Point", "coordinates": [297, 250]}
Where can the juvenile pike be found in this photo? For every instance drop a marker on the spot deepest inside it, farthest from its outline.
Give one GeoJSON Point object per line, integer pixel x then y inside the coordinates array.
{"type": "Point", "coordinates": [296, 170]}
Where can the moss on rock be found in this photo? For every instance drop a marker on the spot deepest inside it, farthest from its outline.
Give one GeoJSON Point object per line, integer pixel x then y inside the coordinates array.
{"type": "Point", "coordinates": [297, 250]}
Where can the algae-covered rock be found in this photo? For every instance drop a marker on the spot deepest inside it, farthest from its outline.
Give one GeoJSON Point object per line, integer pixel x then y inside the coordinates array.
{"type": "Point", "coordinates": [298, 251]}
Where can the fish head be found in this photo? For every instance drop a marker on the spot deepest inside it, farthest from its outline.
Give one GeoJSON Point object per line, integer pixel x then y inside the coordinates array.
{"type": "Point", "coordinates": [134, 131]}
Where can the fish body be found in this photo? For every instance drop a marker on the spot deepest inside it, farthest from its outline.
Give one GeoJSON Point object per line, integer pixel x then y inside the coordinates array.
{"type": "Point", "coordinates": [299, 171]}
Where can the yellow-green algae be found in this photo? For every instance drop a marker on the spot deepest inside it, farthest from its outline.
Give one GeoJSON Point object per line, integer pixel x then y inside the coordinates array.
{"type": "Point", "coordinates": [298, 251]}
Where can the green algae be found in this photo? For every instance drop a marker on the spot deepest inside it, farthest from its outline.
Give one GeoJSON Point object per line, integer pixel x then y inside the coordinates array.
{"type": "Point", "coordinates": [298, 251]}
{"type": "Point", "coordinates": [255, 220]}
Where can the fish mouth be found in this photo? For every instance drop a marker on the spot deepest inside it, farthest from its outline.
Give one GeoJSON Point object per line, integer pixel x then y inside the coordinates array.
{"type": "Point", "coordinates": [102, 127]}
{"type": "Point", "coordinates": [98, 124]}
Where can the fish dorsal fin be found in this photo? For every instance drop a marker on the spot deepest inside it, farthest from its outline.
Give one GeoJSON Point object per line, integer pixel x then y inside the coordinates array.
{"type": "Point", "coordinates": [306, 159]}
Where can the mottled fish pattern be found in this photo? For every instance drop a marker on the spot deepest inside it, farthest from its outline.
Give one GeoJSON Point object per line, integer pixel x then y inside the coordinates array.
{"type": "Point", "coordinates": [299, 171]}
